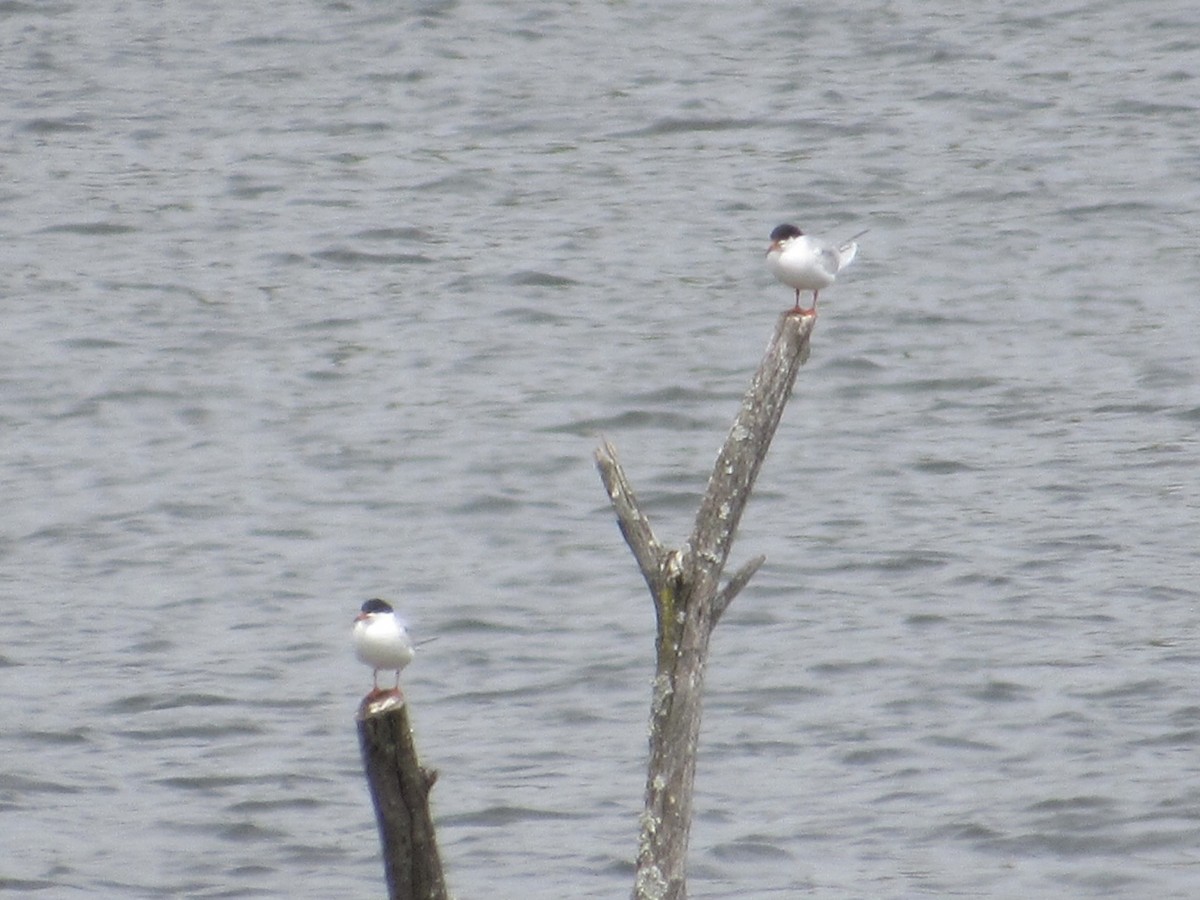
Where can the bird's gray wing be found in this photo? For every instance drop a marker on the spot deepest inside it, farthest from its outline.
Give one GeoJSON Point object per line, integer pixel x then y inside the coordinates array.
{"type": "Point", "coordinates": [829, 259]}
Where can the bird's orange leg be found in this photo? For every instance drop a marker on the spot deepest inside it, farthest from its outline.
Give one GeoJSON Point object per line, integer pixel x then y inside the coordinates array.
{"type": "Point", "coordinates": [811, 311]}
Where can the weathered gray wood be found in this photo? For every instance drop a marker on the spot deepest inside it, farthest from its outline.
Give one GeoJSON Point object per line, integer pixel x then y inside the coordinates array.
{"type": "Point", "coordinates": [734, 586]}
{"type": "Point", "coordinates": [689, 602]}
{"type": "Point", "coordinates": [400, 791]}
{"type": "Point", "coordinates": [650, 555]}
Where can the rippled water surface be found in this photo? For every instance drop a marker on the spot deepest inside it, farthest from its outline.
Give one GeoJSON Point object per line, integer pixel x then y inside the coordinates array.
{"type": "Point", "coordinates": [310, 302]}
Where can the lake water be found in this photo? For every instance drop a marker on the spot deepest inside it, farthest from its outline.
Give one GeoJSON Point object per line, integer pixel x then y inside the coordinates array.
{"type": "Point", "coordinates": [305, 303]}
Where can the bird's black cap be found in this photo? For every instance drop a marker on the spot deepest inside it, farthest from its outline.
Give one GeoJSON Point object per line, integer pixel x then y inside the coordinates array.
{"type": "Point", "coordinates": [785, 231]}
{"type": "Point", "coordinates": [376, 606]}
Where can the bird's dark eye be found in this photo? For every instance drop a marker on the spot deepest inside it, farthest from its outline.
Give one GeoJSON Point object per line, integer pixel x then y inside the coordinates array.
{"type": "Point", "coordinates": [785, 231]}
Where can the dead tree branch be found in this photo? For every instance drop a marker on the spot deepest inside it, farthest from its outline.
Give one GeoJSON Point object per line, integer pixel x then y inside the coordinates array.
{"type": "Point", "coordinates": [400, 790]}
{"type": "Point", "coordinates": [684, 584]}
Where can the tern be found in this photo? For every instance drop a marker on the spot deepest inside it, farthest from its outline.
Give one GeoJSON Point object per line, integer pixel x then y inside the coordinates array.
{"type": "Point", "coordinates": [807, 263]}
{"type": "Point", "coordinates": [382, 642]}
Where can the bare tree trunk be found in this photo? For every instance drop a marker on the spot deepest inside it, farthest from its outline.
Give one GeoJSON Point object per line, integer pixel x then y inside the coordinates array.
{"type": "Point", "coordinates": [685, 586]}
{"type": "Point", "coordinates": [400, 790]}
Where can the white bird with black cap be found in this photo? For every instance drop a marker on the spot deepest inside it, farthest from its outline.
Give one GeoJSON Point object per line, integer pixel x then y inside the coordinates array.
{"type": "Point", "coordinates": [807, 263]}
{"type": "Point", "coordinates": [382, 642]}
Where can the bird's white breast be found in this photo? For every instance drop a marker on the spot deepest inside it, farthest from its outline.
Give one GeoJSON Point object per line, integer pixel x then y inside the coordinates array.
{"type": "Point", "coordinates": [382, 642]}
{"type": "Point", "coordinates": [802, 264]}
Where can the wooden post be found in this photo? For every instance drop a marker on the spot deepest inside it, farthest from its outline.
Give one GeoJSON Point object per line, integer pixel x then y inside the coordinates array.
{"type": "Point", "coordinates": [400, 791]}
{"type": "Point", "coordinates": [689, 602]}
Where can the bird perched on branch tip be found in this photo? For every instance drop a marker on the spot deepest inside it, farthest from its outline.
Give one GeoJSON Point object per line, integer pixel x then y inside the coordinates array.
{"type": "Point", "coordinates": [382, 642]}
{"type": "Point", "coordinates": [807, 263]}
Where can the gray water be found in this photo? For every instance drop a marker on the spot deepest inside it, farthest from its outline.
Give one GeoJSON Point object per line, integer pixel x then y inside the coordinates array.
{"type": "Point", "coordinates": [305, 303]}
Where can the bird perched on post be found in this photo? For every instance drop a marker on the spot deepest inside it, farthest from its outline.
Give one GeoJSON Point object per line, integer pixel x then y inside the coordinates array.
{"type": "Point", "coordinates": [807, 263]}
{"type": "Point", "coordinates": [382, 642]}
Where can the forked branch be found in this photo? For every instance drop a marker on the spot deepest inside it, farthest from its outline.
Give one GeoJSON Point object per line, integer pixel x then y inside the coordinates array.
{"type": "Point", "coordinates": [688, 601]}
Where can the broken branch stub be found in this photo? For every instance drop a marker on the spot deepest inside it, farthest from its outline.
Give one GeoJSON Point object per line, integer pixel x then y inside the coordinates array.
{"type": "Point", "coordinates": [400, 788]}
